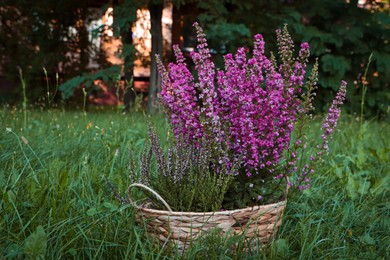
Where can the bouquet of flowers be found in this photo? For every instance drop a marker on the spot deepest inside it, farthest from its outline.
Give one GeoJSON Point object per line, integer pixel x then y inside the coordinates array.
{"type": "Point", "coordinates": [244, 116]}
{"type": "Point", "coordinates": [238, 142]}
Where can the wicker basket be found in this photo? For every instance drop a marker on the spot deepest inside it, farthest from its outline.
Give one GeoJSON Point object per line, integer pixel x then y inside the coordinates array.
{"type": "Point", "coordinates": [258, 224]}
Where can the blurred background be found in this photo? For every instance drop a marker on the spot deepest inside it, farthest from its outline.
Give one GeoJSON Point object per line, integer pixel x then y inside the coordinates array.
{"type": "Point", "coordinates": [58, 48]}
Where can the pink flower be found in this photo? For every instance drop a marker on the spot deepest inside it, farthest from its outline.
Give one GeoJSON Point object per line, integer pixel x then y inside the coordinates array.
{"type": "Point", "coordinates": [249, 107]}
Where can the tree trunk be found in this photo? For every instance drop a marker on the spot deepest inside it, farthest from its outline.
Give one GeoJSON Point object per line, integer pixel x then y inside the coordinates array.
{"type": "Point", "coordinates": [128, 57]}
{"type": "Point", "coordinates": [157, 48]}
{"type": "Point", "coordinates": [128, 50]}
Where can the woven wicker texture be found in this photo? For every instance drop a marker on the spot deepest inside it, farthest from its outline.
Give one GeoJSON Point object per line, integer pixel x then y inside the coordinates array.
{"type": "Point", "coordinates": [258, 222]}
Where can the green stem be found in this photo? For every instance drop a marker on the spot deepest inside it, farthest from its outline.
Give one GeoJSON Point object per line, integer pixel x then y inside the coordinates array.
{"type": "Point", "coordinates": [364, 90]}
{"type": "Point", "coordinates": [84, 105]}
{"type": "Point", "coordinates": [47, 88]}
{"type": "Point", "coordinates": [56, 90]}
{"type": "Point", "coordinates": [25, 156]}
{"type": "Point", "coordinates": [118, 86]}
{"type": "Point", "coordinates": [24, 103]}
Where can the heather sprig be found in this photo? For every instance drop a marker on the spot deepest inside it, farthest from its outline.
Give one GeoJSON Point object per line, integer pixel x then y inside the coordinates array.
{"type": "Point", "coordinates": [290, 167]}
{"type": "Point", "coordinates": [333, 116]}
{"type": "Point", "coordinates": [249, 108]}
{"type": "Point", "coordinates": [209, 111]}
{"type": "Point", "coordinates": [330, 123]}
{"type": "Point", "coordinates": [179, 85]}
{"type": "Point", "coordinates": [182, 175]}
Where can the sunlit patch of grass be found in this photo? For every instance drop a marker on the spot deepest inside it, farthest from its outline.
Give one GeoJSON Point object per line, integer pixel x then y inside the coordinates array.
{"type": "Point", "coordinates": [54, 201]}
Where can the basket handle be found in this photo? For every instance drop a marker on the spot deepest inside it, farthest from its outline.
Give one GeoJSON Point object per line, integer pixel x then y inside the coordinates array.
{"type": "Point", "coordinates": [287, 186]}
{"type": "Point", "coordinates": [148, 189]}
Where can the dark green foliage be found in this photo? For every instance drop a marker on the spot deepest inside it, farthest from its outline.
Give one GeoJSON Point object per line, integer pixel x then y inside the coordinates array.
{"type": "Point", "coordinates": [44, 33]}
{"type": "Point", "coordinates": [108, 75]}
{"type": "Point", "coordinates": [223, 34]}
{"type": "Point", "coordinates": [343, 36]}
{"type": "Point", "coordinates": [244, 191]}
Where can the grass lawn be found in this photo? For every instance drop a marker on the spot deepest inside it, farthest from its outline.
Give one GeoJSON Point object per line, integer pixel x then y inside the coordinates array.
{"type": "Point", "coordinates": [54, 202]}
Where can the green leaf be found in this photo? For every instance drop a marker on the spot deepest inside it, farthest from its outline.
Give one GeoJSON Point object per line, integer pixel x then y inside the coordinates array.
{"type": "Point", "coordinates": [339, 172]}
{"type": "Point", "coordinates": [354, 33]}
{"type": "Point", "coordinates": [364, 187]}
{"type": "Point", "coordinates": [319, 39]}
{"type": "Point", "coordinates": [11, 195]}
{"type": "Point", "coordinates": [35, 245]}
{"type": "Point", "coordinates": [380, 186]}
{"type": "Point", "coordinates": [68, 87]}
{"type": "Point", "coordinates": [108, 74]}
{"type": "Point", "coordinates": [352, 187]}
{"type": "Point", "coordinates": [13, 250]}
{"type": "Point", "coordinates": [294, 14]}
{"type": "Point", "coordinates": [72, 252]}
{"type": "Point", "coordinates": [64, 181]}
{"type": "Point", "coordinates": [280, 247]}
{"type": "Point", "coordinates": [367, 239]}
{"type": "Point", "coordinates": [92, 212]}
{"type": "Point", "coordinates": [110, 206]}
{"type": "Point", "coordinates": [382, 61]}
{"type": "Point", "coordinates": [337, 65]}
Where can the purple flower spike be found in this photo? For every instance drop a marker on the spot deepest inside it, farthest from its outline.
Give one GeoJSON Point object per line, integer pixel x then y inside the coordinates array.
{"type": "Point", "coordinates": [247, 110]}
{"type": "Point", "coordinates": [333, 116]}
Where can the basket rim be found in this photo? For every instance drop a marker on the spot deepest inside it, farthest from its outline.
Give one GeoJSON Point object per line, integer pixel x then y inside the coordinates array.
{"type": "Point", "coordinates": [212, 213]}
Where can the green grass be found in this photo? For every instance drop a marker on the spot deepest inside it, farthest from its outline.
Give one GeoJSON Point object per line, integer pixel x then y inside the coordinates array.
{"type": "Point", "coordinates": [54, 202]}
